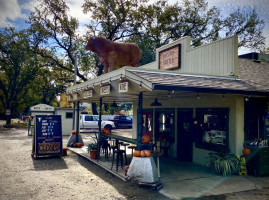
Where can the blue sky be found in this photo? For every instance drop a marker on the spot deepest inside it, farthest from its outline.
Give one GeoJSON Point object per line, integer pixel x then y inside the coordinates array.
{"type": "Point", "coordinates": [15, 12]}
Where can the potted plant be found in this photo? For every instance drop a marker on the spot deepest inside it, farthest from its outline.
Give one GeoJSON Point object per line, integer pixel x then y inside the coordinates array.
{"type": "Point", "coordinates": [223, 163]}
{"type": "Point", "coordinates": [92, 149]}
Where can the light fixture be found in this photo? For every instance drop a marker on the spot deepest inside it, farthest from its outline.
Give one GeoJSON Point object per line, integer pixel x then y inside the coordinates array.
{"type": "Point", "coordinates": [247, 98]}
{"type": "Point", "coordinates": [120, 77]}
{"type": "Point", "coordinates": [92, 85]}
{"type": "Point", "coordinates": [169, 94]}
{"type": "Point", "coordinates": [101, 83]}
{"type": "Point", "coordinates": [198, 96]}
{"type": "Point", "coordinates": [173, 91]}
{"type": "Point", "coordinates": [140, 85]}
{"type": "Point", "coordinates": [114, 105]}
{"type": "Point", "coordinates": [110, 80]}
{"type": "Point", "coordinates": [156, 103]}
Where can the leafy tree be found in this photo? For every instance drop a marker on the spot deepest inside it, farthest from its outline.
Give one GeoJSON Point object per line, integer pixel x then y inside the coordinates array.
{"type": "Point", "coordinates": [18, 68]}
{"type": "Point", "coordinates": [152, 25]}
{"type": "Point", "coordinates": [54, 35]}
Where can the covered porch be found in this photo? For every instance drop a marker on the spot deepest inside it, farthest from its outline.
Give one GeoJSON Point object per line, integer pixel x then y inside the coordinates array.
{"type": "Point", "coordinates": [182, 179]}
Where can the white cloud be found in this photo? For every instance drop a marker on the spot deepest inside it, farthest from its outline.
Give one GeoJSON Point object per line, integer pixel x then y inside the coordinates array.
{"type": "Point", "coordinates": [9, 12]}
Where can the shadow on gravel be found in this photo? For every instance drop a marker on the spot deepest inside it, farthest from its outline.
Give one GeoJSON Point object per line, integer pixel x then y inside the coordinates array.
{"type": "Point", "coordinates": [130, 189]}
{"type": "Point", "coordinates": [49, 163]}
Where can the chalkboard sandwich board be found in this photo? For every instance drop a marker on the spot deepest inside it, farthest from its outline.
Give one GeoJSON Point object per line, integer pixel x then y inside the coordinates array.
{"type": "Point", "coordinates": [47, 139]}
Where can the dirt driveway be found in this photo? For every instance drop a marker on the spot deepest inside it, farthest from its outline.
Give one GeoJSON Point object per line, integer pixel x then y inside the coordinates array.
{"type": "Point", "coordinates": [69, 177]}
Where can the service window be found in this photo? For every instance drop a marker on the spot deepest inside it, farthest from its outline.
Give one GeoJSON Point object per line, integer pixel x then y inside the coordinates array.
{"type": "Point", "coordinates": [212, 127]}
{"type": "Point", "coordinates": [69, 115]}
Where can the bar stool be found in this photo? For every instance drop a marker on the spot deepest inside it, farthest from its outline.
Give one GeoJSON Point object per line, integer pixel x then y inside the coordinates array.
{"type": "Point", "coordinates": [132, 147]}
{"type": "Point", "coordinates": [125, 144]}
{"type": "Point", "coordinates": [119, 157]}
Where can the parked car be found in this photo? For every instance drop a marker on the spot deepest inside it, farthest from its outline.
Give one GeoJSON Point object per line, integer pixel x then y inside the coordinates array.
{"type": "Point", "coordinates": [91, 122]}
{"type": "Point", "coordinates": [121, 121]}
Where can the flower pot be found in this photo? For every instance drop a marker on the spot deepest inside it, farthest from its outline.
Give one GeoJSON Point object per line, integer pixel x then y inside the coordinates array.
{"type": "Point", "coordinates": [93, 154]}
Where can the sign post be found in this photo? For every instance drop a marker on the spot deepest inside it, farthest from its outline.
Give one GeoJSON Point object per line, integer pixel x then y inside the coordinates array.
{"type": "Point", "coordinates": [47, 140]}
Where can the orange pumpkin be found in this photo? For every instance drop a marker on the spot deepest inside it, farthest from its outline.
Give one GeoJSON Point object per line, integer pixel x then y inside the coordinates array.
{"type": "Point", "coordinates": [74, 132]}
{"type": "Point", "coordinates": [147, 153]}
{"type": "Point", "coordinates": [246, 152]}
{"type": "Point", "coordinates": [145, 139]}
{"type": "Point", "coordinates": [105, 131]}
{"type": "Point", "coordinates": [137, 153]}
{"type": "Point", "coordinates": [142, 154]}
{"type": "Point", "coordinates": [79, 145]}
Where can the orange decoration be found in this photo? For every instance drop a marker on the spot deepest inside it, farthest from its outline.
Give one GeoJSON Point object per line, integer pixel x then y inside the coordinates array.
{"type": "Point", "coordinates": [137, 153]}
{"type": "Point", "coordinates": [74, 132]}
{"type": "Point", "coordinates": [142, 154]}
{"type": "Point", "coordinates": [246, 152]}
{"type": "Point", "coordinates": [105, 131]}
{"type": "Point", "coordinates": [147, 153]}
{"type": "Point", "coordinates": [79, 145]}
{"type": "Point", "coordinates": [145, 139]}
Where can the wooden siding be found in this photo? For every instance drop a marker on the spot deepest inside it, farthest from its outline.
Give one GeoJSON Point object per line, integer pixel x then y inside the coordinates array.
{"type": "Point", "coordinates": [218, 58]}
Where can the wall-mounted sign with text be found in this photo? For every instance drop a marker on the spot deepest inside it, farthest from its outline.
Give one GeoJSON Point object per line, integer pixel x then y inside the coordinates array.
{"type": "Point", "coordinates": [88, 93]}
{"type": "Point", "coordinates": [170, 58]}
{"type": "Point", "coordinates": [105, 90]}
{"type": "Point", "coordinates": [75, 96]}
{"type": "Point", "coordinates": [123, 86]}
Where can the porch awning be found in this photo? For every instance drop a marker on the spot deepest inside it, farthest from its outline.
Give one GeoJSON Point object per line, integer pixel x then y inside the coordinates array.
{"type": "Point", "coordinates": [152, 82]}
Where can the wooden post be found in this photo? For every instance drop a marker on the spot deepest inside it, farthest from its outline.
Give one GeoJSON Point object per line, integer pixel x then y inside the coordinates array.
{"type": "Point", "coordinates": [139, 121]}
{"type": "Point", "coordinates": [77, 125]}
{"type": "Point", "coordinates": [99, 128]}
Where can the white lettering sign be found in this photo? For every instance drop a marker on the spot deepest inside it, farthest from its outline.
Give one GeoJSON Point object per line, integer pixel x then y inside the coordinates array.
{"type": "Point", "coordinates": [105, 90]}
{"type": "Point", "coordinates": [88, 93]}
{"type": "Point", "coordinates": [68, 97]}
{"type": "Point", "coordinates": [75, 96]}
{"type": "Point", "coordinates": [123, 86]}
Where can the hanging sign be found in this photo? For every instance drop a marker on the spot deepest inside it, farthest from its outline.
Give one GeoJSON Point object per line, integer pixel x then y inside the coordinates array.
{"type": "Point", "coordinates": [68, 97]}
{"type": "Point", "coordinates": [170, 58]}
{"type": "Point", "coordinates": [123, 86]}
{"type": "Point", "coordinates": [8, 112]}
{"type": "Point", "coordinates": [88, 93]}
{"type": "Point", "coordinates": [48, 135]}
{"type": "Point", "coordinates": [42, 107]}
{"type": "Point", "coordinates": [75, 96]}
{"type": "Point", "coordinates": [105, 90]}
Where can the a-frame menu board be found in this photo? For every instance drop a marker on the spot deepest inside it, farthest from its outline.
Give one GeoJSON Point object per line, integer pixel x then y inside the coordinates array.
{"type": "Point", "coordinates": [47, 139]}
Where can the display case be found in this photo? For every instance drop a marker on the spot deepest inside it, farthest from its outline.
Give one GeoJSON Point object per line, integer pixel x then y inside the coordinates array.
{"type": "Point", "coordinates": [258, 161]}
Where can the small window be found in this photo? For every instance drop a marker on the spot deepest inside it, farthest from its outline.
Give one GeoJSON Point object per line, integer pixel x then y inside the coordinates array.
{"type": "Point", "coordinates": [69, 115]}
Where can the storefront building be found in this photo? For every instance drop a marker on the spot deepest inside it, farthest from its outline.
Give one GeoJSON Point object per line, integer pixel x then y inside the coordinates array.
{"type": "Point", "coordinates": [190, 101]}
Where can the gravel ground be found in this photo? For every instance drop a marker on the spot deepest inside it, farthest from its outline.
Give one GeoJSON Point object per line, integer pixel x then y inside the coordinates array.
{"type": "Point", "coordinates": [69, 177]}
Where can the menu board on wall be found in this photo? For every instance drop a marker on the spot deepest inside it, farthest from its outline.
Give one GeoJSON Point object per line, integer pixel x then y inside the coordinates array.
{"type": "Point", "coordinates": [48, 135]}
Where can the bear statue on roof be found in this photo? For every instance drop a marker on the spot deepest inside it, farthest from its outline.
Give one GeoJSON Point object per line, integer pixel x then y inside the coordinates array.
{"type": "Point", "coordinates": [112, 54]}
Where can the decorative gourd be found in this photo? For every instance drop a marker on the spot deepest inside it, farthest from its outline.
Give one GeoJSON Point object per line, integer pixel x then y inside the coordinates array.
{"type": "Point", "coordinates": [79, 145]}
{"type": "Point", "coordinates": [246, 152]}
{"type": "Point", "coordinates": [147, 153]}
{"type": "Point", "coordinates": [105, 131]}
{"type": "Point", "coordinates": [74, 132]}
{"type": "Point", "coordinates": [137, 153]}
{"type": "Point", "coordinates": [145, 139]}
{"type": "Point", "coordinates": [142, 154]}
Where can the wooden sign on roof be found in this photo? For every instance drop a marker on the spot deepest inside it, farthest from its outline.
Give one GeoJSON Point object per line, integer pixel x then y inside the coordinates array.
{"type": "Point", "coordinates": [170, 58]}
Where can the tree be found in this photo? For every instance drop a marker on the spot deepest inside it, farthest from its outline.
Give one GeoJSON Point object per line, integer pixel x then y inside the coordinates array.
{"type": "Point", "coordinates": [18, 68]}
{"type": "Point", "coordinates": [152, 25]}
{"type": "Point", "coordinates": [54, 35]}
{"type": "Point", "coordinates": [164, 22]}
